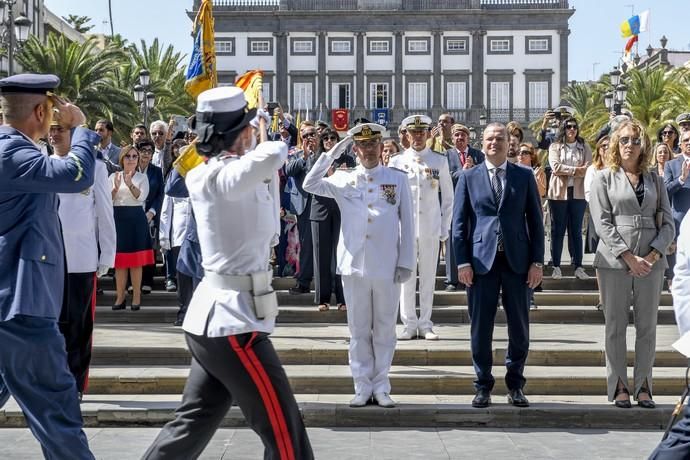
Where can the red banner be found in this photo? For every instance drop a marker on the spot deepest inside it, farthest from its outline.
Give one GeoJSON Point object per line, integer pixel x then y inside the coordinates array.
{"type": "Point", "coordinates": [341, 119]}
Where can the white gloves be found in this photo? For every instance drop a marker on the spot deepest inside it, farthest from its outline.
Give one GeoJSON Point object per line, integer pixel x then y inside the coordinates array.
{"type": "Point", "coordinates": [275, 240]}
{"type": "Point", "coordinates": [340, 148]}
{"type": "Point", "coordinates": [102, 270]}
{"type": "Point", "coordinates": [164, 244]}
{"type": "Point", "coordinates": [260, 113]}
{"type": "Point", "coordinates": [402, 275]}
{"type": "Point", "coordinates": [444, 239]}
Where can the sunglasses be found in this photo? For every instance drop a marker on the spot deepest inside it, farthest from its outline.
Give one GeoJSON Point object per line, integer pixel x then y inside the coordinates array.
{"type": "Point", "coordinates": [311, 134]}
{"type": "Point", "coordinates": [330, 138]}
{"type": "Point", "coordinates": [524, 152]}
{"type": "Point", "coordinates": [570, 126]}
{"type": "Point", "coordinates": [131, 157]}
{"type": "Point", "coordinates": [367, 144]}
{"type": "Point", "coordinates": [667, 133]}
{"type": "Point", "coordinates": [630, 140]}
{"type": "Point", "coordinates": [157, 133]}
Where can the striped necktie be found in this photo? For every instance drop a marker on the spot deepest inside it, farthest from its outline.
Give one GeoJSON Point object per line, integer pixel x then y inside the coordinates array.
{"type": "Point", "coordinates": [497, 187]}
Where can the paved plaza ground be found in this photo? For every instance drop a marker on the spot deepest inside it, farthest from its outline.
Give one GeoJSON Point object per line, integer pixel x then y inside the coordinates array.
{"type": "Point", "coordinates": [365, 443]}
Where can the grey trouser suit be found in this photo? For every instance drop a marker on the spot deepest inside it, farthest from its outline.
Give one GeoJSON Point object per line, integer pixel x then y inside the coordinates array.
{"type": "Point", "coordinates": [623, 224]}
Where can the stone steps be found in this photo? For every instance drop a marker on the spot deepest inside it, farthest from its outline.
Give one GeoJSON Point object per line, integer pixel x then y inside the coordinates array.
{"type": "Point", "coordinates": [328, 410]}
{"type": "Point", "coordinates": [441, 298]}
{"type": "Point", "coordinates": [308, 313]}
{"type": "Point", "coordinates": [414, 380]}
{"type": "Point", "coordinates": [326, 344]}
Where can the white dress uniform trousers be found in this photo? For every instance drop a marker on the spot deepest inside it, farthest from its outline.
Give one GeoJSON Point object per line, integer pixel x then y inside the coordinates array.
{"type": "Point", "coordinates": [427, 172]}
{"type": "Point", "coordinates": [376, 236]}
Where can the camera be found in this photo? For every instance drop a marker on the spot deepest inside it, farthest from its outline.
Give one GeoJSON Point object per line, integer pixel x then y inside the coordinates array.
{"type": "Point", "coordinates": [272, 106]}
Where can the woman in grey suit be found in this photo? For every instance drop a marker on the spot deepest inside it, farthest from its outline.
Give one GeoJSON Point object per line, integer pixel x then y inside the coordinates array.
{"type": "Point", "coordinates": [632, 217]}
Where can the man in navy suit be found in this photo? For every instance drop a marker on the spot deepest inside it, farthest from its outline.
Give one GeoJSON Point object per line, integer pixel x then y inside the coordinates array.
{"type": "Point", "coordinates": [460, 158]}
{"type": "Point", "coordinates": [499, 245]}
{"type": "Point", "coordinates": [678, 187]}
{"type": "Point", "coordinates": [153, 204]}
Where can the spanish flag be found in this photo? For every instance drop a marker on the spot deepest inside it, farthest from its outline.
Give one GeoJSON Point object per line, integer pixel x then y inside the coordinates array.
{"type": "Point", "coordinates": [201, 73]}
{"type": "Point", "coordinates": [252, 84]}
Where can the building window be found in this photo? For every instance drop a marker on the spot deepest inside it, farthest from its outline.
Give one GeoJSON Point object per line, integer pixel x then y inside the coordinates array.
{"type": "Point", "coordinates": [379, 46]}
{"type": "Point", "coordinates": [302, 96]}
{"type": "Point", "coordinates": [340, 95]}
{"type": "Point", "coordinates": [538, 45]}
{"type": "Point", "coordinates": [341, 47]}
{"type": "Point", "coordinates": [225, 47]}
{"type": "Point", "coordinates": [417, 46]}
{"type": "Point", "coordinates": [302, 46]}
{"type": "Point", "coordinates": [456, 95]}
{"type": "Point", "coordinates": [500, 46]}
{"type": "Point", "coordinates": [417, 96]}
{"type": "Point", "coordinates": [260, 47]}
{"type": "Point", "coordinates": [378, 95]}
{"type": "Point", "coordinates": [266, 91]}
{"type": "Point", "coordinates": [456, 45]}
{"type": "Point", "coordinates": [538, 98]}
{"type": "Point", "coordinates": [499, 100]}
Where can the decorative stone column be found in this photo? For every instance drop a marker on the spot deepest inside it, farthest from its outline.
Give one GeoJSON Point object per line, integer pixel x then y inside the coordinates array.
{"type": "Point", "coordinates": [282, 69]}
{"type": "Point", "coordinates": [477, 75]}
{"type": "Point", "coordinates": [321, 88]}
{"type": "Point", "coordinates": [437, 80]}
{"type": "Point", "coordinates": [563, 68]}
{"type": "Point", "coordinates": [398, 110]}
{"type": "Point", "coordinates": [361, 92]}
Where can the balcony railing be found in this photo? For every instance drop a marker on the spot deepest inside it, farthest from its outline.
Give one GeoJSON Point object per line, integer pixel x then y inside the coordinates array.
{"type": "Point", "coordinates": [389, 5]}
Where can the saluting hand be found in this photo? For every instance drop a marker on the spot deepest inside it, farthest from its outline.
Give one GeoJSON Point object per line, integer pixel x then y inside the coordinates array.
{"type": "Point", "coordinates": [69, 114]}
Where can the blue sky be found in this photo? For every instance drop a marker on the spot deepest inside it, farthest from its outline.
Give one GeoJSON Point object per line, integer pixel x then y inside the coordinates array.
{"type": "Point", "coordinates": [595, 41]}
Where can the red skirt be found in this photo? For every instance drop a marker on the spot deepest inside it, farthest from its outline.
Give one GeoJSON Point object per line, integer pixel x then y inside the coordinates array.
{"type": "Point", "coordinates": [134, 245]}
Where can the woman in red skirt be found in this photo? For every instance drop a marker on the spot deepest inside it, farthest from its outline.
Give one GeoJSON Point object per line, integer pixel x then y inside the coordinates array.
{"type": "Point", "coordinates": [134, 247]}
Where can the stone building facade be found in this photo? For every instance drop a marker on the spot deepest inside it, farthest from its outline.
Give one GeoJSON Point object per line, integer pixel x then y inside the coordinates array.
{"type": "Point", "coordinates": [505, 59]}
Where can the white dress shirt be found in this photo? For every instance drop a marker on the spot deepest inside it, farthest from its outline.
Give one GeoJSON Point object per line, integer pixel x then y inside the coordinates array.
{"type": "Point", "coordinates": [88, 224]}
{"type": "Point", "coordinates": [124, 196]}
{"type": "Point", "coordinates": [680, 289]}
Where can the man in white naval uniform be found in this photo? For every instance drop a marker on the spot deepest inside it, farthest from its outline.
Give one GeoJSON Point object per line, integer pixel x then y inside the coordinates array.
{"type": "Point", "coordinates": [427, 172]}
{"type": "Point", "coordinates": [233, 309]}
{"type": "Point", "coordinates": [375, 254]}
{"type": "Point", "coordinates": [87, 226]}
{"type": "Point", "coordinates": [677, 445]}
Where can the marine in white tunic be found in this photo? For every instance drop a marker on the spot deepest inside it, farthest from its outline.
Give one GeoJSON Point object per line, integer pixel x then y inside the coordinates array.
{"type": "Point", "coordinates": [375, 254]}
{"type": "Point", "coordinates": [428, 174]}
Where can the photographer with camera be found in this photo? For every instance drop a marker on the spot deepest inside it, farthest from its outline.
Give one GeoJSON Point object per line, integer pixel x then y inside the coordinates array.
{"type": "Point", "coordinates": [549, 129]}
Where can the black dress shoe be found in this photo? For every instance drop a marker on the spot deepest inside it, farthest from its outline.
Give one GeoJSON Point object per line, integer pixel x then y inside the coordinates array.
{"type": "Point", "coordinates": [120, 306]}
{"type": "Point", "coordinates": [517, 398]}
{"type": "Point", "coordinates": [299, 290]}
{"type": "Point", "coordinates": [646, 404]}
{"type": "Point", "coordinates": [482, 399]}
{"type": "Point", "coordinates": [622, 403]}
{"type": "Point", "coordinates": [136, 307]}
{"type": "Point", "coordinates": [178, 322]}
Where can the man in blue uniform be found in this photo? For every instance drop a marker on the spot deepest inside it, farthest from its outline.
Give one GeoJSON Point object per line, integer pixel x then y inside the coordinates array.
{"type": "Point", "coordinates": [33, 361]}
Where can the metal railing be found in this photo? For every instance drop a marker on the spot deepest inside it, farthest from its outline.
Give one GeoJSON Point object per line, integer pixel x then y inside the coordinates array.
{"type": "Point", "coordinates": [392, 5]}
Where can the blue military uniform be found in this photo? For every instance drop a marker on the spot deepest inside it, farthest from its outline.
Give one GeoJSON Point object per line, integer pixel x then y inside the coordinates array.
{"type": "Point", "coordinates": [33, 361]}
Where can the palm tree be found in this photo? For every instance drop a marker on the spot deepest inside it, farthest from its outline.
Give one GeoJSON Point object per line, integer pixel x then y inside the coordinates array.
{"type": "Point", "coordinates": [648, 97]}
{"type": "Point", "coordinates": [86, 74]}
{"type": "Point", "coordinates": [167, 77]}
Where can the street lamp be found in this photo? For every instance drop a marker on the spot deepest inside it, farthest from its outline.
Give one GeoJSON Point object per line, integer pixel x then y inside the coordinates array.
{"type": "Point", "coordinates": [145, 98]}
{"type": "Point", "coordinates": [615, 77]}
{"type": "Point", "coordinates": [615, 99]}
{"type": "Point", "coordinates": [608, 101]}
{"type": "Point", "coordinates": [15, 34]}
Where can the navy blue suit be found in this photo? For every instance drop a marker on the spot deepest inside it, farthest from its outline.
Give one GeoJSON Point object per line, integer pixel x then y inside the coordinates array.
{"type": "Point", "coordinates": [33, 361]}
{"type": "Point", "coordinates": [455, 166]}
{"type": "Point", "coordinates": [297, 168]}
{"type": "Point", "coordinates": [154, 200]}
{"type": "Point", "coordinates": [678, 194]}
{"type": "Point", "coordinates": [477, 220]}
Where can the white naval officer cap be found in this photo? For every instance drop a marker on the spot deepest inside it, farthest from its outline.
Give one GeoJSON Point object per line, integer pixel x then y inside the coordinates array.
{"type": "Point", "coordinates": [220, 114]}
{"type": "Point", "coordinates": [366, 131]}
{"type": "Point", "coordinates": [417, 122]}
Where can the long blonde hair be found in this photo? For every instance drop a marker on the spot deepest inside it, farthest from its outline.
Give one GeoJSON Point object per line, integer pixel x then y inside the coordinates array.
{"type": "Point", "coordinates": [613, 159]}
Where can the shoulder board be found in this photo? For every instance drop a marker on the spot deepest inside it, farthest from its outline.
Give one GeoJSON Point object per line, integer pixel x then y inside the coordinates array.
{"type": "Point", "coordinates": [393, 168]}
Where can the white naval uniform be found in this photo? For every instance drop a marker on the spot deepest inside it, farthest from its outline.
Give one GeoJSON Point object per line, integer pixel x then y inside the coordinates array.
{"type": "Point", "coordinates": [88, 224]}
{"type": "Point", "coordinates": [681, 278]}
{"type": "Point", "coordinates": [376, 236]}
{"type": "Point", "coordinates": [427, 172]}
{"type": "Point", "coordinates": [237, 198]}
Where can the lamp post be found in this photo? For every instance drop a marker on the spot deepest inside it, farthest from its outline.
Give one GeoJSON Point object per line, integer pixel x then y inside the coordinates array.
{"type": "Point", "coordinates": [15, 34]}
{"type": "Point", "coordinates": [616, 99]}
{"type": "Point", "coordinates": [143, 96]}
